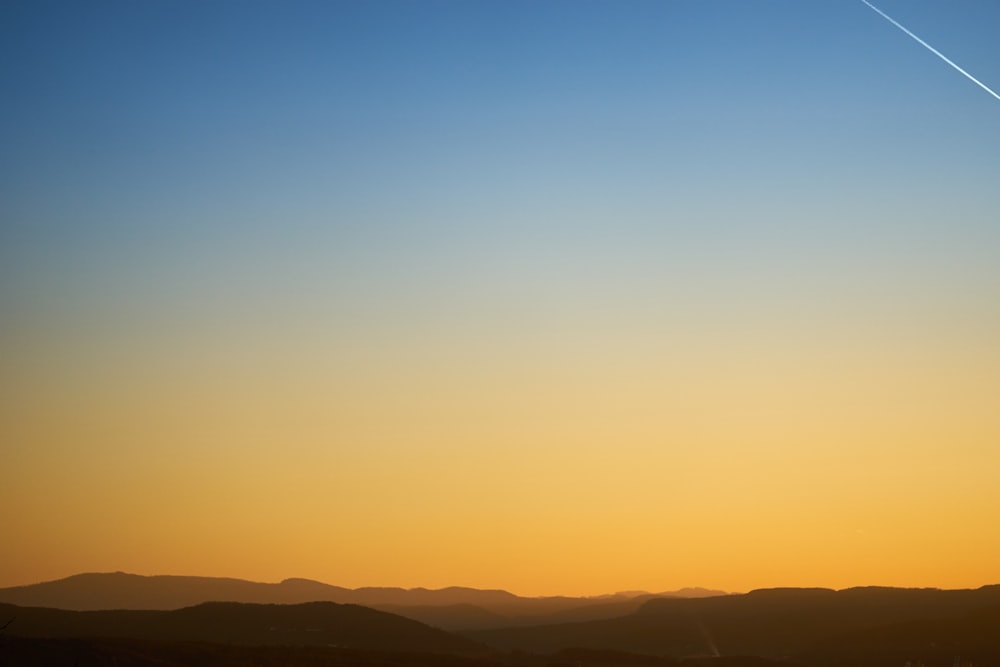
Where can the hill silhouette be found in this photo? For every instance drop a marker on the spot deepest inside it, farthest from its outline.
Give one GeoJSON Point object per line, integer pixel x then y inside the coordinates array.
{"type": "Point", "coordinates": [450, 608]}
{"type": "Point", "coordinates": [861, 627]}
{"type": "Point", "coordinates": [974, 637]}
{"type": "Point", "coordinates": [773, 623]}
{"type": "Point", "coordinates": [781, 622]}
{"type": "Point", "coordinates": [118, 590]}
{"type": "Point", "coordinates": [470, 617]}
{"type": "Point", "coordinates": [452, 617]}
{"type": "Point", "coordinates": [309, 624]}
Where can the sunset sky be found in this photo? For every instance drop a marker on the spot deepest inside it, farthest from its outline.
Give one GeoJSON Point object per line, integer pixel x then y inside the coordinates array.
{"type": "Point", "coordinates": [561, 297]}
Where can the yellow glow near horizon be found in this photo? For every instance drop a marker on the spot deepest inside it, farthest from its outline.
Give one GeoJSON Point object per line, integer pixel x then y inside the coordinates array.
{"type": "Point", "coordinates": [726, 461]}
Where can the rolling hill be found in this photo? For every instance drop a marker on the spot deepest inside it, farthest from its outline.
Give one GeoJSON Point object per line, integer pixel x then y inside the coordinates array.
{"type": "Point", "coordinates": [453, 608]}
{"type": "Point", "coordinates": [309, 624]}
{"type": "Point", "coordinates": [772, 623]}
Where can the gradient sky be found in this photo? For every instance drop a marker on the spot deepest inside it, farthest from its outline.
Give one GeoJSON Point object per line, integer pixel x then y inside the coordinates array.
{"type": "Point", "coordinates": [558, 297]}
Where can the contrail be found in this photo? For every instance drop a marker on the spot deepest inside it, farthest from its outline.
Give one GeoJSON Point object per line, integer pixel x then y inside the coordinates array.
{"type": "Point", "coordinates": [933, 50]}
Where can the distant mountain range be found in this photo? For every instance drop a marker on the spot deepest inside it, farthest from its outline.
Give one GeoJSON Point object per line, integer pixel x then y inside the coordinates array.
{"type": "Point", "coordinates": [804, 625]}
{"type": "Point", "coordinates": [453, 608]}
{"type": "Point", "coordinates": [859, 627]}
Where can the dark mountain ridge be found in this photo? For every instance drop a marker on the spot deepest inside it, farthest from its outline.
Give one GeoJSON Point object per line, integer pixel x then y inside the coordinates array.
{"type": "Point", "coordinates": [974, 638]}
{"type": "Point", "coordinates": [308, 624]}
{"type": "Point", "coordinates": [773, 623]}
{"type": "Point", "coordinates": [118, 590]}
{"type": "Point", "coordinates": [860, 627]}
{"type": "Point", "coordinates": [470, 607]}
{"type": "Point", "coordinates": [785, 621]}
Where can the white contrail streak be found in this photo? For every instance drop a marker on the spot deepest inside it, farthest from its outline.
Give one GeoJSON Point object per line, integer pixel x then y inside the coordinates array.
{"type": "Point", "coordinates": [933, 50]}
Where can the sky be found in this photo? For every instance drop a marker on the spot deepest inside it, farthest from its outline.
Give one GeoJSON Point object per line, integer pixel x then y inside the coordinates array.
{"type": "Point", "coordinates": [556, 297]}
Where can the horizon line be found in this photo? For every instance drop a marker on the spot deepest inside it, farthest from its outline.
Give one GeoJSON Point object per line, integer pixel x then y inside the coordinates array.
{"type": "Point", "coordinates": [630, 592]}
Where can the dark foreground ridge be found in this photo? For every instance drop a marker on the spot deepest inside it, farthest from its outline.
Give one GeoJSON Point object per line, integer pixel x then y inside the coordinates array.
{"type": "Point", "coordinates": [857, 627]}
{"type": "Point", "coordinates": [310, 624]}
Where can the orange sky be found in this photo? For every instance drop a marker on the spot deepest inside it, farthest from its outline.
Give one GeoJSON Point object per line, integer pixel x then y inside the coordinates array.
{"type": "Point", "coordinates": [826, 454]}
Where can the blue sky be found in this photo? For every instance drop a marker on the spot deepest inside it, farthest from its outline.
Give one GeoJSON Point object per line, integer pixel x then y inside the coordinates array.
{"type": "Point", "coordinates": [167, 122]}
{"type": "Point", "coordinates": [157, 153]}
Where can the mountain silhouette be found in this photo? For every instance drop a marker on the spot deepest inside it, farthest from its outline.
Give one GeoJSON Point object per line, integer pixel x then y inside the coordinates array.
{"type": "Point", "coordinates": [771, 623]}
{"type": "Point", "coordinates": [309, 624]}
{"type": "Point", "coordinates": [972, 637]}
{"type": "Point", "coordinates": [453, 608]}
{"type": "Point", "coordinates": [860, 627]}
{"type": "Point", "coordinates": [118, 590]}
{"type": "Point", "coordinates": [452, 617]}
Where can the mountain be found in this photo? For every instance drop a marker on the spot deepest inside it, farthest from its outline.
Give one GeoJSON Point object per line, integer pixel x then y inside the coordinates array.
{"type": "Point", "coordinates": [118, 590]}
{"type": "Point", "coordinates": [861, 627]}
{"type": "Point", "coordinates": [309, 624]}
{"type": "Point", "coordinates": [772, 623]}
{"type": "Point", "coordinates": [449, 608]}
{"type": "Point", "coordinates": [696, 592]}
{"type": "Point", "coordinates": [972, 638]}
{"type": "Point", "coordinates": [635, 632]}
{"type": "Point", "coordinates": [780, 622]}
{"type": "Point", "coordinates": [453, 617]}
